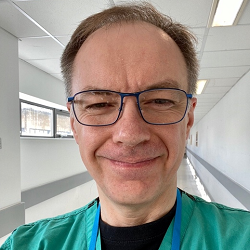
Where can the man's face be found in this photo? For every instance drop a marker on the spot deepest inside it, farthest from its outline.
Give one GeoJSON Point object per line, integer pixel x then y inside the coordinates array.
{"type": "Point", "coordinates": [131, 161]}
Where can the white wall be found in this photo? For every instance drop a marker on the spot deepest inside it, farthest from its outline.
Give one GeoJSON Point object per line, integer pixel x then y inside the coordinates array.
{"type": "Point", "coordinates": [9, 121]}
{"type": "Point", "coordinates": [224, 142]}
{"type": "Point", "coordinates": [37, 83]}
{"type": "Point", "coordinates": [44, 160]}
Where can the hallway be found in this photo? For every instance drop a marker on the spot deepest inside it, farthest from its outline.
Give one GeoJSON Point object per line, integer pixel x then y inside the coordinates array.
{"type": "Point", "coordinates": [188, 181]}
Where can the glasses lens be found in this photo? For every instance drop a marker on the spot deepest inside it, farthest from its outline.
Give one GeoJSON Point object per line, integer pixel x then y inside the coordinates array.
{"type": "Point", "coordinates": [163, 106]}
{"type": "Point", "coordinates": [97, 107]}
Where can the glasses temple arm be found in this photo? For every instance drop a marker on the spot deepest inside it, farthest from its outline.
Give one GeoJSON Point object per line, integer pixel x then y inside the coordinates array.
{"type": "Point", "coordinates": [70, 99]}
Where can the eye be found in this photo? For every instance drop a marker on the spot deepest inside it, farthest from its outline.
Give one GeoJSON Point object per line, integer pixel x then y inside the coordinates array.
{"type": "Point", "coordinates": [163, 101]}
{"type": "Point", "coordinates": [100, 105]}
{"type": "Point", "coordinates": [160, 103]}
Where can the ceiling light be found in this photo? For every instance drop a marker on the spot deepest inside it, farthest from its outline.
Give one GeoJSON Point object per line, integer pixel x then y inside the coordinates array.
{"type": "Point", "coordinates": [226, 12]}
{"type": "Point", "coordinates": [200, 86]}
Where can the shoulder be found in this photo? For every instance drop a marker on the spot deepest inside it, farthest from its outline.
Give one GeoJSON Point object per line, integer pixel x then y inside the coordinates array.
{"type": "Point", "coordinates": [50, 229]}
{"type": "Point", "coordinates": [220, 225]}
{"type": "Point", "coordinates": [213, 209]}
{"type": "Point", "coordinates": [65, 219]}
{"type": "Point", "coordinates": [213, 215]}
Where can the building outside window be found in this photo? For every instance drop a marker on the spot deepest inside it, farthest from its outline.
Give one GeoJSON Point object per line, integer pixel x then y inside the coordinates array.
{"type": "Point", "coordinates": [36, 120]}
{"type": "Point", "coordinates": [62, 128]}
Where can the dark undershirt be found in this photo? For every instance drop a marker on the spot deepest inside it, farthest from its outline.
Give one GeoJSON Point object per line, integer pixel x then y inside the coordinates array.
{"type": "Point", "coordinates": [147, 236]}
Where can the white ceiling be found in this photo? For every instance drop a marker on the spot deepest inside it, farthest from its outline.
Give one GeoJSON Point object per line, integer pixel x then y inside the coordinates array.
{"type": "Point", "coordinates": [224, 52]}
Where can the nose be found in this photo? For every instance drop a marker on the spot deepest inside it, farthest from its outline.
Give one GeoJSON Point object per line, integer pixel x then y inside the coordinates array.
{"type": "Point", "coordinates": [131, 130]}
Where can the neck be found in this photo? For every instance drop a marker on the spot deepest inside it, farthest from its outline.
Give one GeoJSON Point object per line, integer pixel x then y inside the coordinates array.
{"type": "Point", "coordinates": [127, 215]}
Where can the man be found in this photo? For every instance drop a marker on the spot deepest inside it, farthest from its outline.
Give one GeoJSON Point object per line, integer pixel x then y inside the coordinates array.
{"type": "Point", "coordinates": [130, 73]}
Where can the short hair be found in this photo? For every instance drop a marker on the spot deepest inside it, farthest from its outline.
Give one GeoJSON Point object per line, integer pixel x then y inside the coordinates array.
{"type": "Point", "coordinates": [145, 12]}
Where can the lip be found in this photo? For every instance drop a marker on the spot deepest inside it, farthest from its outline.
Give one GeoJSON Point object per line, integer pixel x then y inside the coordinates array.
{"type": "Point", "coordinates": [131, 163]}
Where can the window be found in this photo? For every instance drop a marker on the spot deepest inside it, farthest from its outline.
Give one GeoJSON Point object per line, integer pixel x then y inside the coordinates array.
{"type": "Point", "coordinates": [36, 120]}
{"type": "Point", "coordinates": [42, 121]}
{"type": "Point", "coordinates": [62, 124]}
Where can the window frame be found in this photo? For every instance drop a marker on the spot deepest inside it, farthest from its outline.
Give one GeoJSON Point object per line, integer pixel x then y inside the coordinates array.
{"type": "Point", "coordinates": [55, 112]}
{"type": "Point", "coordinates": [62, 113]}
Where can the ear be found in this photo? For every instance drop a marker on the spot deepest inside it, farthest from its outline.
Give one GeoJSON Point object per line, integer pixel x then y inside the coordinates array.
{"type": "Point", "coordinates": [72, 121]}
{"type": "Point", "coordinates": [190, 116]}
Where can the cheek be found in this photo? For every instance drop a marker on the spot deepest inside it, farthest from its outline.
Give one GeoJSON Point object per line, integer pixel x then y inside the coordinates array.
{"type": "Point", "coordinates": [182, 140]}
{"type": "Point", "coordinates": [89, 140]}
{"type": "Point", "coordinates": [174, 141]}
{"type": "Point", "coordinates": [86, 141]}
{"type": "Point", "coordinates": [87, 147]}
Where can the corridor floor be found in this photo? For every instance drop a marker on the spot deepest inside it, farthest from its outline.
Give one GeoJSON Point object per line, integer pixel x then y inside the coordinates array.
{"type": "Point", "coordinates": [188, 181]}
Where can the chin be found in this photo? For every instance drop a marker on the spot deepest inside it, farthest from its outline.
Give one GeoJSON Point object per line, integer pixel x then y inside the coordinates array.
{"type": "Point", "coordinates": [133, 192]}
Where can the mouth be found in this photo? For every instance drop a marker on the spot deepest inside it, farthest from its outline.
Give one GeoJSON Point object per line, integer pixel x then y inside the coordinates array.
{"type": "Point", "coordinates": [132, 163]}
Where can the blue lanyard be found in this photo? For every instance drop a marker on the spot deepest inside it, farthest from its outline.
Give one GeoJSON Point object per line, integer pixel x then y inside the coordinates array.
{"type": "Point", "coordinates": [95, 229]}
{"type": "Point", "coordinates": [176, 240]}
{"type": "Point", "coordinates": [176, 231]}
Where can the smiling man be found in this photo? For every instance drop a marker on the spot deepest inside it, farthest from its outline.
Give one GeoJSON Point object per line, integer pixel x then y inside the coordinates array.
{"type": "Point", "coordinates": [134, 163]}
{"type": "Point", "coordinates": [130, 73]}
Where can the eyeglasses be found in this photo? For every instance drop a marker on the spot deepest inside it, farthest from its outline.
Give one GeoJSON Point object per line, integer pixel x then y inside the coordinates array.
{"type": "Point", "coordinates": [103, 107]}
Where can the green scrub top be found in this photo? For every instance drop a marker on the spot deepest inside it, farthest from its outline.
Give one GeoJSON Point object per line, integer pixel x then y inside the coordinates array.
{"type": "Point", "coordinates": [204, 226]}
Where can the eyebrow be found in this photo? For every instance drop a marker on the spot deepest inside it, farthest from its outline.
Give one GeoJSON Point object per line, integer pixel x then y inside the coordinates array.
{"type": "Point", "coordinates": [91, 88]}
{"type": "Point", "coordinates": [164, 84]}
{"type": "Point", "coordinates": [159, 85]}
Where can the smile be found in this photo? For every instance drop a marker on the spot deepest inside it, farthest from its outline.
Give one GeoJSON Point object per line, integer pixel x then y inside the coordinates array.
{"type": "Point", "coordinates": [132, 163]}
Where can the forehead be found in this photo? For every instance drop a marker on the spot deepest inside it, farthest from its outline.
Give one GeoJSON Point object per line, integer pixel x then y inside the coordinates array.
{"type": "Point", "coordinates": [129, 57]}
